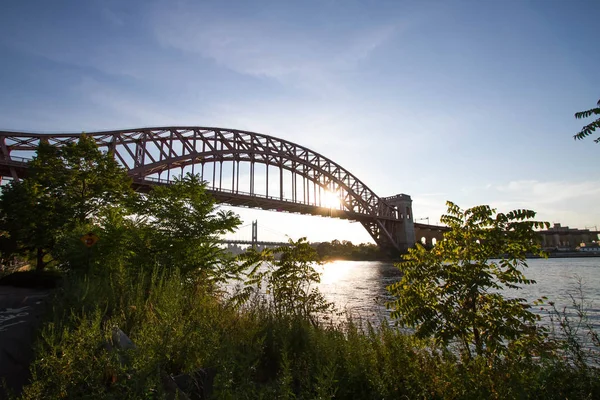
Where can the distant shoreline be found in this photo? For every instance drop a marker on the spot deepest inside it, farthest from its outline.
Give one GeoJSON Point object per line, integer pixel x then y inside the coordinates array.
{"type": "Point", "coordinates": [569, 254]}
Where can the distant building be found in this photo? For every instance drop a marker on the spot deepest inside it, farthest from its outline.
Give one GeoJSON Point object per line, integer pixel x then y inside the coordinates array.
{"type": "Point", "coordinates": [589, 247]}
{"type": "Point", "coordinates": [564, 238]}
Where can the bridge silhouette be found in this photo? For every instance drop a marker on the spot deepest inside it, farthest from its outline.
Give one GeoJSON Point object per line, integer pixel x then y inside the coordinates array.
{"type": "Point", "coordinates": [241, 168]}
{"type": "Point", "coordinates": [241, 237]}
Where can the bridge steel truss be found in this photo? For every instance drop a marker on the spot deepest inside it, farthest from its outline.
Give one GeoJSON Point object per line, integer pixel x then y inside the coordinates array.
{"type": "Point", "coordinates": [154, 156]}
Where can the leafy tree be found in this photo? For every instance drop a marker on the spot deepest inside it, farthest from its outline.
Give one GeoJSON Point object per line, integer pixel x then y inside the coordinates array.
{"type": "Point", "coordinates": [177, 226]}
{"type": "Point", "coordinates": [592, 126]}
{"type": "Point", "coordinates": [27, 221]}
{"type": "Point", "coordinates": [73, 189]}
{"type": "Point", "coordinates": [65, 187]}
{"type": "Point", "coordinates": [453, 292]}
{"type": "Point", "coordinates": [171, 227]}
{"type": "Point", "coordinates": [82, 178]}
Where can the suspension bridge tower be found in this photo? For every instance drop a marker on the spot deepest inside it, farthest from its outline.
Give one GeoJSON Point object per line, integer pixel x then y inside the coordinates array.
{"type": "Point", "coordinates": [254, 233]}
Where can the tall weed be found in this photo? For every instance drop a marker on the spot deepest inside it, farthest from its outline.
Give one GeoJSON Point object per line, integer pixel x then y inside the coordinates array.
{"type": "Point", "coordinates": [255, 353]}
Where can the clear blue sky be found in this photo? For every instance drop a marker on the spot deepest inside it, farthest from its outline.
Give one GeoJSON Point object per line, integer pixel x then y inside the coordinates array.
{"type": "Point", "coordinates": [469, 101]}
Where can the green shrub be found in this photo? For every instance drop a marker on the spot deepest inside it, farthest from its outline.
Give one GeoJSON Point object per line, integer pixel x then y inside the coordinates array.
{"type": "Point", "coordinates": [259, 352]}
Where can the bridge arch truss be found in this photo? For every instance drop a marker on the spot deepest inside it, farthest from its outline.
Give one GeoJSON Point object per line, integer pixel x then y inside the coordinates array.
{"type": "Point", "coordinates": [241, 168]}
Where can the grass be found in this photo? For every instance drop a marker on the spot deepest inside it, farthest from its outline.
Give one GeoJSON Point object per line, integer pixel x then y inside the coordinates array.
{"type": "Point", "coordinates": [177, 328]}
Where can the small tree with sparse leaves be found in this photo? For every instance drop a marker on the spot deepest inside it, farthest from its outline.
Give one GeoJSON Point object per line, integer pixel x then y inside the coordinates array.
{"type": "Point", "coordinates": [290, 279]}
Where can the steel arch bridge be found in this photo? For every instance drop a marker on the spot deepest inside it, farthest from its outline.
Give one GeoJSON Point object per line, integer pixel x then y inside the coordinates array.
{"type": "Point", "coordinates": [241, 169]}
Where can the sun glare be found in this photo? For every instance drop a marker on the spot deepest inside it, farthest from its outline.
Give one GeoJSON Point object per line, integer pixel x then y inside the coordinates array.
{"type": "Point", "coordinates": [335, 271]}
{"type": "Point", "coordinates": [331, 200]}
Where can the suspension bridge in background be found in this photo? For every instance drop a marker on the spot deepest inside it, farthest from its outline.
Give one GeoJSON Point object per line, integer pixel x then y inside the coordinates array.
{"type": "Point", "coordinates": [244, 169]}
{"type": "Point", "coordinates": [241, 237]}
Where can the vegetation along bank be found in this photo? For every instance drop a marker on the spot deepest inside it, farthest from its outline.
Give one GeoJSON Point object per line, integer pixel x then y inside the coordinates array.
{"type": "Point", "coordinates": [141, 312]}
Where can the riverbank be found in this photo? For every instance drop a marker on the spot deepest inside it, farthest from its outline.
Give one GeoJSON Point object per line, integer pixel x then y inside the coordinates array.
{"type": "Point", "coordinates": [571, 254]}
{"type": "Point", "coordinates": [566, 254]}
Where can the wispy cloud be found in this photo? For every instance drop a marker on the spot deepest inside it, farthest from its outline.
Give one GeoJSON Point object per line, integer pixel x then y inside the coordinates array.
{"type": "Point", "coordinates": [120, 104]}
{"type": "Point", "coordinates": [551, 192]}
{"type": "Point", "coordinates": [568, 202]}
{"type": "Point", "coordinates": [111, 16]}
{"type": "Point", "coordinates": [266, 48]}
{"type": "Point", "coordinates": [572, 203]}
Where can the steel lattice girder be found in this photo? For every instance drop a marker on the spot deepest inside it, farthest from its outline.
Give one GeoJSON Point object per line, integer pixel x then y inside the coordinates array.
{"type": "Point", "coordinates": [149, 151]}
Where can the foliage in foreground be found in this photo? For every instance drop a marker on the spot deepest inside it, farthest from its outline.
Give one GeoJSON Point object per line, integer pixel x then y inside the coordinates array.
{"type": "Point", "coordinates": [592, 126]}
{"type": "Point", "coordinates": [76, 189]}
{"type": "Point", "coordinates": [453, 292]}
{"type": "Point", "coordinates": [178, 327]}
{"type": "Point", "coordinates": [65, 188]}
{"type": "Point", "coordinates": [290, 281]}
{"type": "Point", "coordinates": [155, 274]}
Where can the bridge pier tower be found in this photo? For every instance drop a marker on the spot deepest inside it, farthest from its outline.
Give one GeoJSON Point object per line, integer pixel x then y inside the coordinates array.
{"type": "Point", "coordinates": [403, 231]}
{"type": "Point", "coordinates": [254, 234]}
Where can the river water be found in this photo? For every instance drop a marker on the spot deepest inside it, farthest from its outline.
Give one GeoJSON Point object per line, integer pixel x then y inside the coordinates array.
{"type": "Point", "coordinates": [359, 287]}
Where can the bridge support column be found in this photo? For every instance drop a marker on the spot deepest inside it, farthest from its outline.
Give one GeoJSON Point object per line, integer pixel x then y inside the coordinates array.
{"type": "Point", "coordinates": [403, 231]}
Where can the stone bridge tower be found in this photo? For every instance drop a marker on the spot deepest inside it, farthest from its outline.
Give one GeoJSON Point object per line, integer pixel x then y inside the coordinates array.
{"type": "Point", "coordinates": [403, 232]}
